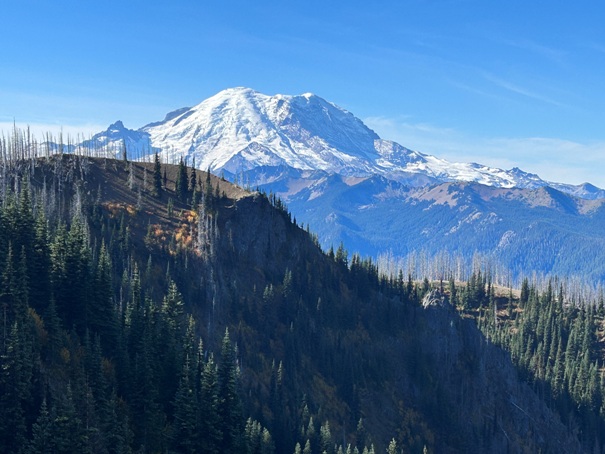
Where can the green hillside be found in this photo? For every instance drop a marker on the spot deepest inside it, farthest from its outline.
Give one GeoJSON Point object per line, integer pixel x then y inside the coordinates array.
{"type": "Point", "coordinates": [149, 308]}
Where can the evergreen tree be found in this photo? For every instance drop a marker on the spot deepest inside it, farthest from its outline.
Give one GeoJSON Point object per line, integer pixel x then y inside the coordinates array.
{"type": "Point", "coordinates": [230, 411]}
{"type": "Point", "coordinates": [102, 319]}
{"type": "Point", "coordinates": [39, 265]}
{"type": "Point", "coordinates": [157, 176]}
{"type": "Point", "coordinates": [182, 182]}
{"type": "Point", "coordinates": [307, 448]}
{"type": "Point", "coordinates": [16, 363]}
{"type": "Point", "coordinates": [210, 425]}
{"type": "Point", "coordinates": [67, 431]}
{"type": "Point", "coordinates": [184, 427]}
{"type": "Point", "coordinates": [325, 438]}
{"type": "Point", "coordinates": [392, 449]}
{"type": "Point", "coordinates": [12, 293]}
{"type": "Point", "coordinates": [42, 440]}
{"type": "Point", "coordinates": [193, 178]}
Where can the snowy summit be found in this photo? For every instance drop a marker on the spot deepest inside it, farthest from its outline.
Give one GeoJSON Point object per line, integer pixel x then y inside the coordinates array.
{"type": "Point", "coordinates": [239, 129]}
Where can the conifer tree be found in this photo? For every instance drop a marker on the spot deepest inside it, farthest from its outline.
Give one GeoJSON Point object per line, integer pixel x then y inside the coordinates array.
{"type": "Point", "coordinates": [103, 318]}
{"type": "Point", "coordinates": [307, 448]}
{"type": "Point", "coordinates": [67, 431]}
{"type": "Point", "coordinates": [157, 177]}
{"type": "Point", "coordinates": [184, 427]}
{"type": "Point", "coordinates": [182, 182]}
{"type": "Point", "coordinates": [193, 178]}
{"type": "Point", "coordinates": [39, 266]}
{"type": "Point", "coordinates": [230, 411]}
{"type": "Point", "coordinates": [325, 438]}
{"type": "Point", "coordinates": [11, 296]}
{"type": "Point", "coordinates": [392, 449]}
{"type": "Point", "coordinates": [210, 429]}
{"type": "Point", "coordinates": [15, 393]}
{"type": "Point", "coordinates": [42, 441]}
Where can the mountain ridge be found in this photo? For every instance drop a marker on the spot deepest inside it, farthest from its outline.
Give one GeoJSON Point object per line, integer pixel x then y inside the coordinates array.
{"type": "Point", "coordinates": [239, 129]}
{"type": "Point", "coordinates": [376, 196]}
{"type": "Point", "coordinates": [317, 343]}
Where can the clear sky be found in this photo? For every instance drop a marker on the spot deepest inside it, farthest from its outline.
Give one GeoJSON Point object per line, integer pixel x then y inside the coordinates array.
{"type": "Point", "coordinates": [507, 83]}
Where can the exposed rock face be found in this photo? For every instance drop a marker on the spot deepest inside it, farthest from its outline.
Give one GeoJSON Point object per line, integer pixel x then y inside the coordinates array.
{"type": "Point", "coordinates": [481, 379]}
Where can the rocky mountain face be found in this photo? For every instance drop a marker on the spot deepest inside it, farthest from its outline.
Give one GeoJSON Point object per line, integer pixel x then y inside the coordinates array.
{"type": "Point", "coordinates": [375, 195]}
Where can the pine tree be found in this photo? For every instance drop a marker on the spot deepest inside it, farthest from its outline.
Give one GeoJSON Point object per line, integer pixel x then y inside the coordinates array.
{"type": "Point", "coordinates": [15, 387]}
{"type": "Point", "coordinates": [193, 178]}
{"type": "Point", "coordinates": [157, 177]}
{"type": "Point", "coordinates": [307, 448]}
{"type": "Point", "coordinates": [361, 433]}
{"type": "Point", "coordinates": [208, 191]}
{"type": "Point", "coordinates": [42, 442]}
{"type": "Point", "coordinates": [102, 317]}
{"type": "Point", "coordinates": [210, 429]}
{"type": "Point", "coordinates": [184, 427]}
{"type": "Point", "coordinates": [116, 427]}
{"type": "Point", "coordinates": [12, 293]}
{"type": "Point", "coordinates": [67, 431]}
{"type": "Point", "coordinates": [182, 182]}
{"type": "Point", "coordinates": [524, 293]}
{"type": "Point", "coordinates": [325, 438]}
{"type": "Point", "coordinates": [453, 292]}
{"type": "Point", "coordinates": [74, 290]}
{"type": "Point", "coordinates": [230, 411]}
{"type": "Point", "coordinates": [173, 309]}
{"type": "Point", "coordinates": [392, 449]}
{"type": "Point", "coordinates": [266, 442]}
{"type": "Point", "coordinates": [39, 265]}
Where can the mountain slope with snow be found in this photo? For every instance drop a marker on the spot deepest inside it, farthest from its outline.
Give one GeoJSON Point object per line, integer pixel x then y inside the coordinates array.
{"type": "Point", "coordinates": [374, 195]}
{"type": "Point", "coordinates": [239, 129]}
{"type": "Point", "coordinates": [117, 139]}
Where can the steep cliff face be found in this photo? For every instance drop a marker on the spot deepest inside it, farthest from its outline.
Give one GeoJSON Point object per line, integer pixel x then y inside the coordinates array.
{"type": "Point", "coordinates": [497, 412]}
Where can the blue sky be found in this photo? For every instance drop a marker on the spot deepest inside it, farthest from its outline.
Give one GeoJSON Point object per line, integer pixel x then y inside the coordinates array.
{"type": "Point", "coordinates": [503, 83]}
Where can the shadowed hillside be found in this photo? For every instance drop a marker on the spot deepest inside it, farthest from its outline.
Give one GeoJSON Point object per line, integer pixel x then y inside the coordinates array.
{"type": "Point", "coordinates": [151, 308]}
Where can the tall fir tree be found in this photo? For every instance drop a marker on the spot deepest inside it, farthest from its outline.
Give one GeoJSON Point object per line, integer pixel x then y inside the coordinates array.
{"type": "Point", "coordinates": [230, 408]}
{"type": "Point", "coordinates": [182, 182]}
{"type": "Point", "coordinates": [208, 411]}
{"type": "Point", "coordinates": [157, 176]}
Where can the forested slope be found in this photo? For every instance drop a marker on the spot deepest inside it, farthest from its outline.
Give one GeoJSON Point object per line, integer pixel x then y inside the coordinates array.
{"type": "Point", "coordinates": [149, 308]}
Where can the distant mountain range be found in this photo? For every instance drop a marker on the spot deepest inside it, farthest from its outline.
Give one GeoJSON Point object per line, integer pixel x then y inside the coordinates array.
{"type": "Point", "coordinates": [375, 195]}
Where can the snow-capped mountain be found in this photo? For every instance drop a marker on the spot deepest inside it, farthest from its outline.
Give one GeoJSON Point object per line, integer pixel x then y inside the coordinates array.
{"type": "Point", "coordinates": [118, 138]}
{"type": "Point", "coordinates": [239, 130]}
{"type": "Point", "coordinates": [374, 195]}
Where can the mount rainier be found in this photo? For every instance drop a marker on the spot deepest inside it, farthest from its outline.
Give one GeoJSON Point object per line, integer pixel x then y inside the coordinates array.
{"type": "Point", "coordinates": [240, 129]}
{"type": "Point", "coordinates": [374, 195]}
